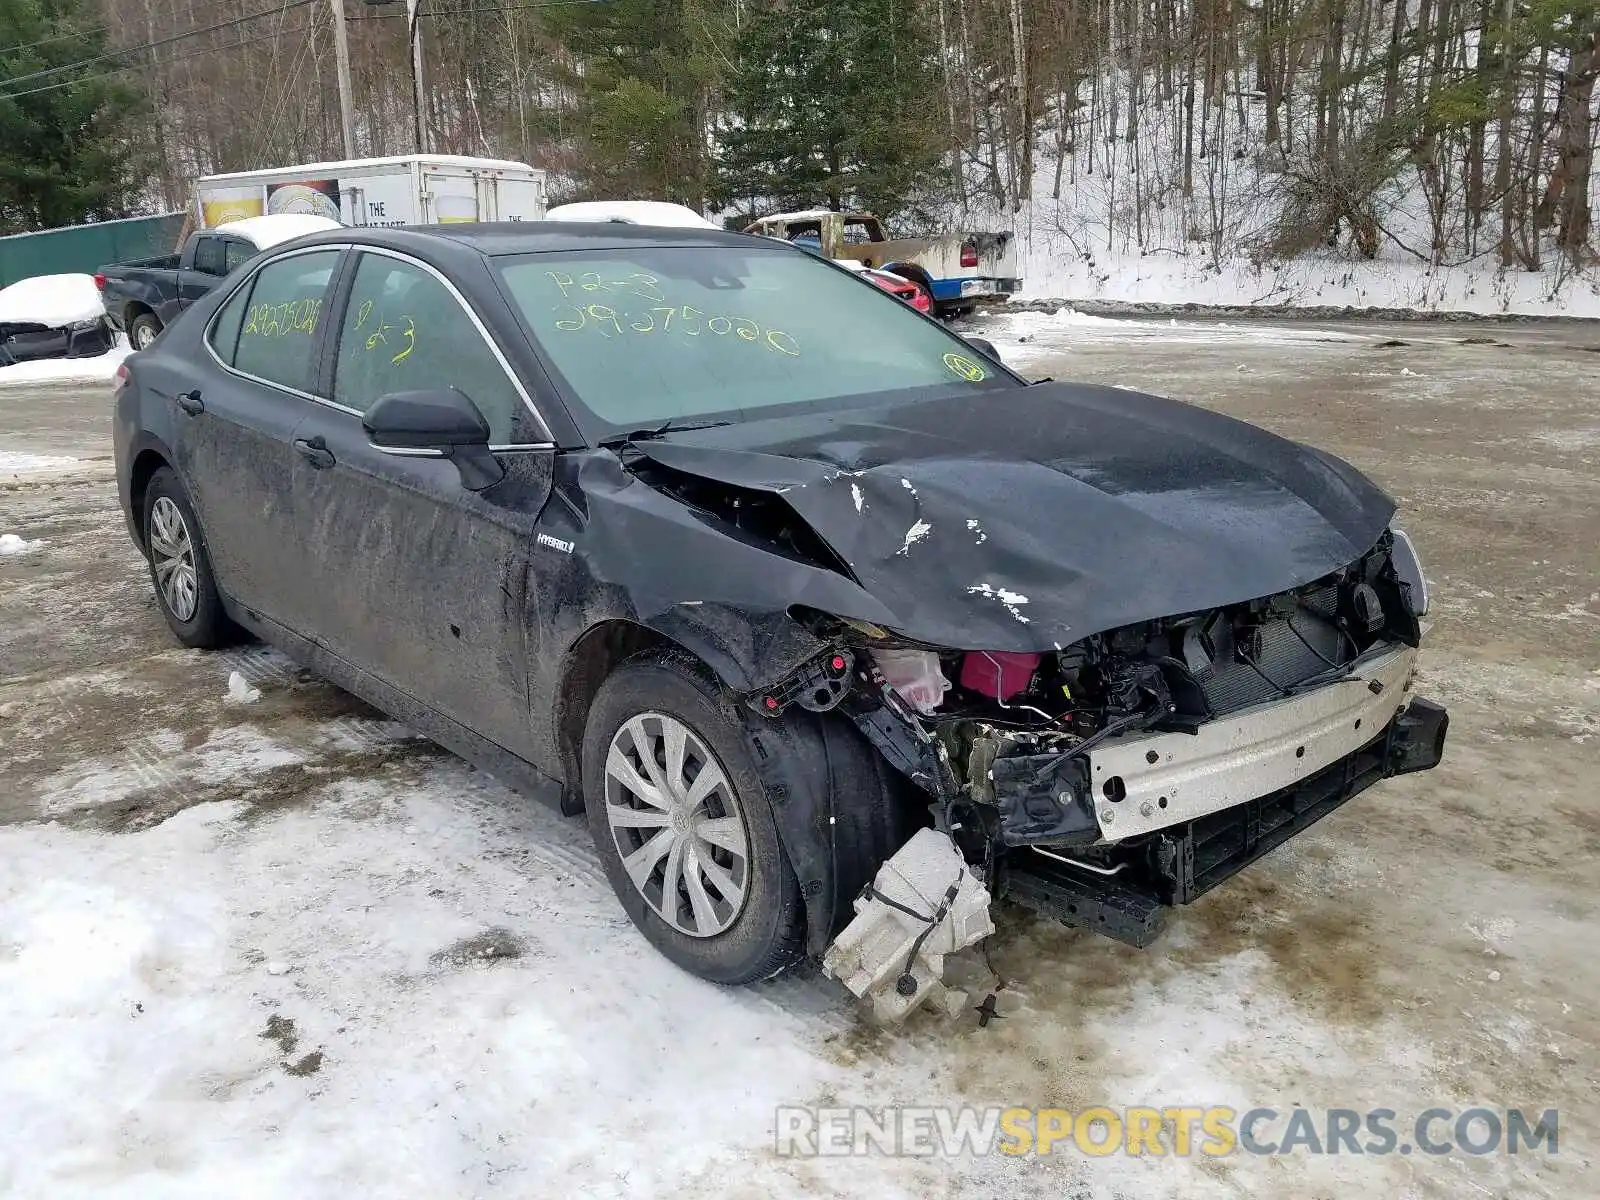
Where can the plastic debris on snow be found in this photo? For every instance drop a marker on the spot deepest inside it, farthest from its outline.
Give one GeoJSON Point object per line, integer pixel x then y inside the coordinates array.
{"type": "Point", "coordinates": [240, 691]}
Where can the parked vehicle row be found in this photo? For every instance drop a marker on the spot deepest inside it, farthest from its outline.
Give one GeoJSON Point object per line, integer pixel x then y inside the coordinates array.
{"type": "Point", "coordinates": [958, 271]}
{"type": "Point", "coordinates": [145, 296]}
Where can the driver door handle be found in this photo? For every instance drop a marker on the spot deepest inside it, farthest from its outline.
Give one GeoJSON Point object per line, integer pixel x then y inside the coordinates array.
{"type": "Point", "coordinates": [315, 451]}
{"type": "Point", "coordinates": [191, 403]}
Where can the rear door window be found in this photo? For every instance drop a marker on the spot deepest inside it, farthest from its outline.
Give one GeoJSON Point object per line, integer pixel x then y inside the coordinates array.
{"type": "Point", "coordinates": [210, 256]}
{"type": "Point", "coordinates": [277, 342]}
{"type": "Point", "coordinates": [405, 331]}
{"type": "Point", "coordinates": [238, 253]}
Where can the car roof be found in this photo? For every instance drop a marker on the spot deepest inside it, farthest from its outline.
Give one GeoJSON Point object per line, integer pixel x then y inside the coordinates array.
{"type": "Point", "coordinates": [533, 237]}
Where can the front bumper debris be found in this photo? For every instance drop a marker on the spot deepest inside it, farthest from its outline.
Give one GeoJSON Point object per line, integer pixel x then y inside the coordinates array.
{"type": "Point", "coordinates": [1140, 783]}
{"type": "Point", "coordinates": [1179, 863]}
{"type": "Point", "coordinates": [923, 904]}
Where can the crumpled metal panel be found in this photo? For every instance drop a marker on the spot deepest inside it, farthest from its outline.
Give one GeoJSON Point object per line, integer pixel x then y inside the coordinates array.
{"type": "Point", "coordinates": [1026, 519]}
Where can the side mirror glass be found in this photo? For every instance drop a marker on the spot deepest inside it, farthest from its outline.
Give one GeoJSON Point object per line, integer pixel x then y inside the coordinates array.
{"type": "Point", "coordinates": [987, 348]}
{"type": "Point", "coordinates": [437, 423]}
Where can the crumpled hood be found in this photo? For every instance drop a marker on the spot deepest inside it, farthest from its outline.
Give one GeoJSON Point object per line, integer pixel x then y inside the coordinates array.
{"type": "Point", "coordinates": [1029, 518]}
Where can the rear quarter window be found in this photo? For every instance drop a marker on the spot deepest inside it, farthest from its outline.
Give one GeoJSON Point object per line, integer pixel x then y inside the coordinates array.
{"type": "Point", "coordinates": [278, 337]}
{"type": "Point", "coordinates": [224, 335]}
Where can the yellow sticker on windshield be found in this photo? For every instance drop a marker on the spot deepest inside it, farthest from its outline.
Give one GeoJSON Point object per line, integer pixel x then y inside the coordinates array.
{"type": "Point", "coordinates": [962, 366]}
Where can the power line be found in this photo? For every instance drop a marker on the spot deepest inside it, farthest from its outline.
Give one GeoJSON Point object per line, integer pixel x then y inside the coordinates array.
{"type": "Point", "coordinates": [287, 6]}
{"type": "Point", "coordinates": [166, 41]}
{"type": "Point", "coordinates": [91, 31]}
{"type": "Point", "coordinates": [60, 37]}
{"type": "Point", "coordinates": [260, 37]}
{"type": "Point", "coordinates": [454, 12]}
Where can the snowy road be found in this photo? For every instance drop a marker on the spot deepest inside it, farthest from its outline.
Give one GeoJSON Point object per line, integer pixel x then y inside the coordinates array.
{"type": "Point", "coordinates": [285, 949]}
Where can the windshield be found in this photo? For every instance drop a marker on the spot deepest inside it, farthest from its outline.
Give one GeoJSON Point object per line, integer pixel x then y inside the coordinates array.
{"type": "Point", "coordinates": [649, 334]}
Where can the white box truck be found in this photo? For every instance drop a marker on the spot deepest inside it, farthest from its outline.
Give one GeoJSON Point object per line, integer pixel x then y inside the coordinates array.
{"type": "Point", "coordinates": [409, 189]}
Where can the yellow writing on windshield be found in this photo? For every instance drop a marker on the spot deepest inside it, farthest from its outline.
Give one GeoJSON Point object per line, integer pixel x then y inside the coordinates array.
{"type": "Point", "coordinates": [965, 368]}
{"type": "Point", "coordinates": [684, 320]}
{"type": "Point", "coordinates": [646, 287]}
{"type": "Point", "coordinates": [606, 303]}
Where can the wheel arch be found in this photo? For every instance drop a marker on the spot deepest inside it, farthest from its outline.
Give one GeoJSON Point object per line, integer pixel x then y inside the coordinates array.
{"type": "Point", "coordinates": [149, 459]}
{"type": "Point", "coordinates": [807, 762]}
{"type": "Point", "coordinates": [913, 272]}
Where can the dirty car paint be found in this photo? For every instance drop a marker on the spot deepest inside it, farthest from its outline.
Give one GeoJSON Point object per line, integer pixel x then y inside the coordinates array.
{"type": "Point", "coordinates": [1030, 518]}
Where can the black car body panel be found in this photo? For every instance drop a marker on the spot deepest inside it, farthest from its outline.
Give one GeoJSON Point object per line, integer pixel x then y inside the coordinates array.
{"type": "Point", "coordinates": [1023, 519]}
{"type": "Point", "coordinates": [1007, 522]}
{"type": "Point", "coordinates": [29, 341]}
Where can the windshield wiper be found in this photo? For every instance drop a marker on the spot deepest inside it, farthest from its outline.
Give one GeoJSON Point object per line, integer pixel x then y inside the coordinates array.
{"type": "Point", "coordinates": [660, 431]}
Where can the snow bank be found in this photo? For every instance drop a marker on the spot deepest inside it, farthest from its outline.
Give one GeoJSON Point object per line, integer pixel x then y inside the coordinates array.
{"type": "Point", "coordinates": [1055, 269]}
{"type": "Point", "coordinates": [54, 300]}
{"type": "Point", "coordinates": [101, 369]}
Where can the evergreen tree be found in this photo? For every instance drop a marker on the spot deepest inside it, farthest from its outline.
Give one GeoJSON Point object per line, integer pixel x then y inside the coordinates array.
{"type": "Point", "coordinates": [64, 156]}
{"type": "Point", "coordinates": [832, 101]}
{"type": "Point", "coordinates": [644, 73]}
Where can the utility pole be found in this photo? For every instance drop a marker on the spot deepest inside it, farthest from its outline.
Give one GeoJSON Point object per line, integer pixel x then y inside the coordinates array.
{"type": "Point", "coordinates": [413, 11]}
{"type": "Point", "coordinates": [341, 53]}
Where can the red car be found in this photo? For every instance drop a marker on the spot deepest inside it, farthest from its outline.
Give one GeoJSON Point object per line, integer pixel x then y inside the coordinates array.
{"type": "Point", "coordinates": [902, 288]}
{"type": "Point", "coordinates": [897, 286]}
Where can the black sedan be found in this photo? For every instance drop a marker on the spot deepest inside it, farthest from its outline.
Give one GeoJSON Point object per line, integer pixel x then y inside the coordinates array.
{"type": "Point", "coordinates": [765, 572]}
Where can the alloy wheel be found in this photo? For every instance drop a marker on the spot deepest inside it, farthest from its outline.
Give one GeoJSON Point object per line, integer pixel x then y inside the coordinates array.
{"type": "Point", "coordinates": [677, 824]}
{"type": "Point", "coordinates": [172, 559]}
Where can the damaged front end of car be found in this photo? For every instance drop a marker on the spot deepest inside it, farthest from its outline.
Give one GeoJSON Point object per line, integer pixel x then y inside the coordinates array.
{"type": "Point", "coordinates": [1138, 768]}
{"type": "Point", "coordinates": [1117, 648]}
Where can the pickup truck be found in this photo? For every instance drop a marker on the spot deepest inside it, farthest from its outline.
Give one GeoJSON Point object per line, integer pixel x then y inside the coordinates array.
{"type": "Point", "coordinates": [957, 270]}
{"type": "Point", "coordinates": [142, 298]}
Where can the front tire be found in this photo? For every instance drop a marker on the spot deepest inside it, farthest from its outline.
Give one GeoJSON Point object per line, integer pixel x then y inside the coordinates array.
{"type": "Point", "coordinates": [684, 826]}
{"type": "Point", "coordinates": [144, 330]}
{"type": "Point", "coordinates": [180, 567]}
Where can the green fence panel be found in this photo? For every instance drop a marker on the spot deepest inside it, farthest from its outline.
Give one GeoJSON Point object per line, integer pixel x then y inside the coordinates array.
{"type": "Point", "coordinates": [86, 248]}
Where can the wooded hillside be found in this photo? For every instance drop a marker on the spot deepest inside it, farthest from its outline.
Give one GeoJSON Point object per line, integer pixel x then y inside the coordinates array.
{"type": "Point", "coordinates": [1447, 130]}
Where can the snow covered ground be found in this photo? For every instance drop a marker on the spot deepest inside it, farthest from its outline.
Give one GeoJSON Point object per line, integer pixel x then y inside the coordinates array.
{"type": "Point", "coordinates": [1027, 338]}
{"type": "Point", "coordinates": [100, 369]}
{"type": "Point", "coordinates": [275, 946]}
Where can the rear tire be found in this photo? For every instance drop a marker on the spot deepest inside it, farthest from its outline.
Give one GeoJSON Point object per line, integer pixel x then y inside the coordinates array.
{"type": "Point", "coordinates": [670, 783]}
{"type": "Point", "coordinates": [180, 567]}
{"type": "Point", "coordinates": [144, 330]}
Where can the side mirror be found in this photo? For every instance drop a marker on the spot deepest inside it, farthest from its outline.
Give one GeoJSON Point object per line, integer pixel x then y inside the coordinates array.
{"type": "Point", "coordinates": [438, 423]}
{"type": "Point", "coordinates": [987, 348]}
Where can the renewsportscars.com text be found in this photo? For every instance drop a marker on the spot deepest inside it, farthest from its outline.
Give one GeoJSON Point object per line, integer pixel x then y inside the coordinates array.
{"type": "Point", "coordinates": [930, 1132]}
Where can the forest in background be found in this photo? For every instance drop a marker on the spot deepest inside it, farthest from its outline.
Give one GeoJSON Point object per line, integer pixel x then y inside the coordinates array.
{"type": "Point", "coordinates": [1445, 131]}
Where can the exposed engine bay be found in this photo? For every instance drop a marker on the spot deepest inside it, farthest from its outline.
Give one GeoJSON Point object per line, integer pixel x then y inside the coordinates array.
{"type": "Point", "coordinates": [1139, 767]}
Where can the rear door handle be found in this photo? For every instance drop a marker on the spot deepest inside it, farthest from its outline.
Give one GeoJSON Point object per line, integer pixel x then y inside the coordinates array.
{"type": "Point", "coordinates": [315, 451]}
{"type": "Point", "coordinates": [191, 403]}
